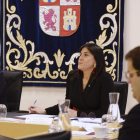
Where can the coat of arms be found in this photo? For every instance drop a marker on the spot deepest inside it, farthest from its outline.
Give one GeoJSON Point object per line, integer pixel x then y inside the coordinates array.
{"type": "Point", "coordinates": [59, 17]}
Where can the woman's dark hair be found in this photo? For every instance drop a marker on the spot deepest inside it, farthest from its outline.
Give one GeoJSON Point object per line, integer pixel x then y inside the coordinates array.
{"type": "Point", "coordinates": [97, 52]}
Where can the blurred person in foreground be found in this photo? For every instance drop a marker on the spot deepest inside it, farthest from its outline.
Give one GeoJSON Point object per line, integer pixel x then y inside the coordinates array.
{"type": "Point", "coordinates": [87, 87]}
{"type": "Point", "coordinates": [131, 127]}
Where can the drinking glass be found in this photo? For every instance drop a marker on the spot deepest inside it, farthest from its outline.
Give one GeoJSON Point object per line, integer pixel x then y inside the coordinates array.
{"type": "Point", "coordinates": [111, 119]}
{"type": "Point", "coordinates": [108, 120]}
{"type": "Point", "coordinates": [54, 128]}
{"type": "Point", "coordinates": [63, 122]}
{"type": "Point", "coordinates": [63, 118]}
{"type": "Point", "coordinates": [3, 111]}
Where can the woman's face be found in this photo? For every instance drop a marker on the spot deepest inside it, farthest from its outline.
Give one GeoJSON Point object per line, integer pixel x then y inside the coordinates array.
{"type": "Point", "coordinates": [86, 60]}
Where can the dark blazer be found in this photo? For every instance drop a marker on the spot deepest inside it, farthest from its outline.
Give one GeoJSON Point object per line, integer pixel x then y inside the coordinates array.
{"type": "Point", "coordinates": [131, 127]}
{"type": "Point", "coordinates": [3, 94]}
{"type": "Point", "coordinates": [94, 98]}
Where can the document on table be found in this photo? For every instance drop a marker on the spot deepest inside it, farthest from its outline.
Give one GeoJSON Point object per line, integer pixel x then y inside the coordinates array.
{"type": "Point", "coordinates": [96, 120]}
{"type": "Point", "coordinates": [82, 134]}
{"type": "Point", "coordinates": [11, 120]}
{"type": "Point", "coordinates": [92, 120]}
{"type": "Point", "coordinates": [71, 118]}
{"type": "Point", "coordinates": [47, 121]}
{"type": "Point", "coordinates": [36, 116]}
{"type": "Point", "coordinates": [87, 126]}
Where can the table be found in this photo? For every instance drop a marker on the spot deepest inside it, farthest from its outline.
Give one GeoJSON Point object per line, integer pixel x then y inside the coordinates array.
{"type": "Point", "coordinates": [13, 114]}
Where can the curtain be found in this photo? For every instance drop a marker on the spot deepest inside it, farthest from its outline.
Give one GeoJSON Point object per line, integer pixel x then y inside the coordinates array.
{"type": "Point", "coordinates": [42, 37]}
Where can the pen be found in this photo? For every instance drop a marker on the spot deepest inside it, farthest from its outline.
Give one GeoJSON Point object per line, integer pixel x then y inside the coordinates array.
{"type": "Point", "coordinates": [34, 103]}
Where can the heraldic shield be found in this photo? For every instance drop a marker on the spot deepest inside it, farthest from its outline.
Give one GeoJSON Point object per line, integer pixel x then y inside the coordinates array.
{"type": "Point", "coordinates": [59, 17]}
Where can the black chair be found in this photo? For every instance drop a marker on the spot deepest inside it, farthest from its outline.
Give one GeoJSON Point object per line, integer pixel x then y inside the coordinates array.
{"type": "Point", "coordinates": [14, 81]}
{"type": "Point", "coordinates": [122, 88]}
{"type": "Point", "coordinates": [65, 135]}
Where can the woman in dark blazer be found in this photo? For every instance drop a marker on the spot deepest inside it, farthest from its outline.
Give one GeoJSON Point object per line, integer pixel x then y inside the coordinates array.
{"type": "Point", "coordinates": [88, 87]}
{"type": "Point", "coordinates": [3, 94]}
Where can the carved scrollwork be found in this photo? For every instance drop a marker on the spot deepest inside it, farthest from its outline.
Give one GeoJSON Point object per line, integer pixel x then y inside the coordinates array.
{"type": "Point", "coordinates": [110, 9]}
{"type": "Point", "coordinates": [111, 69]}
{"type": "Point", "coordinates": [59, 58]}
{"type": "Point", "coordinates": [30, 56]}
{"type": "Point", "coordinates": [100, 41]}
{"type": "Point", "coordinates": [12, 8]}
{"type": "Point", "coordinates": [71, 61]}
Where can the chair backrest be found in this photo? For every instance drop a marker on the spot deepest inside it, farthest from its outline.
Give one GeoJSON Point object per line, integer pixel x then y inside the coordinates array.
{"type": "Point", "coordinates": [3, 94]}
{"type": "Point", "coordinates": [14, 81]}
{"type": "Point", "coordinates": [65, 135]}
{"type": "Point", "coordinates": [122, 88]}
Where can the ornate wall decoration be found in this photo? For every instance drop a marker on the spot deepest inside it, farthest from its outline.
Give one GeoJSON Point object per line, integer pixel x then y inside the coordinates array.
{"type": "Point", "coordinates": [47, 60]}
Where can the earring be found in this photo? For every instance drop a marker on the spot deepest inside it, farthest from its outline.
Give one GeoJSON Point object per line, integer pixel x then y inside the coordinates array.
{"type": "Point", "coordinates": [95, 65]}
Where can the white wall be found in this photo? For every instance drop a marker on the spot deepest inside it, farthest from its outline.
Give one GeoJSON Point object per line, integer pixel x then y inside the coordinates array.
{"type": "Point", "coordinates": [131, 38]}
{"type": "Point", "coordinates": [47, 96]}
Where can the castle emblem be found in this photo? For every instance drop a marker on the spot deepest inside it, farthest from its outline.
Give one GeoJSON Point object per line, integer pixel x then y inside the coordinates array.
{"type": "Point", "coordinates": [69, 20]}
{"type": "Point", "coordinates": [59, 17]}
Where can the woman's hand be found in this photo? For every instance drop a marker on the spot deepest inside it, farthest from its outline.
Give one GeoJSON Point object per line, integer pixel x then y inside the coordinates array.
{"type": "Point", "coordinates": [37, 110]}
{"type": "Point", "coordinates": [72, 113]}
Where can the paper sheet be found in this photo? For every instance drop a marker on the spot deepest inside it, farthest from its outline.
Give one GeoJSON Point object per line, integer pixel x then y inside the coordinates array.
{"type": "Point", "coordinates": [47, 121]}
{"type": "Point", "coordinates": [96, 120]}
{"type": "Point", "coordinates": [82, 133]}
{"type": "Point", "coordinates": [71, 118]}
{"type": "Point", "coordinates": [36, 116]}
{"type": "Point", "coordinates": [11, 120]}
{"type": "Point", "coordinates": [88, 126]}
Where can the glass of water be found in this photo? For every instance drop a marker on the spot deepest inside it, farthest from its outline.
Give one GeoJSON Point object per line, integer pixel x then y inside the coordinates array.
{"type": "Point", "coordinates": [63, 122]}
{"type": "Point", "coordinates": [3, 111]}
{"type": "Point", "coordinates": [107, 118]}
{"type": "Point", "coordinates": [54, 128]}
{"type": "Point", "coordinates": [63, 117]}
{"type": "Point", "coordinates": [111, 122]}
{"type": "Point", "coordinates": [111, 118]}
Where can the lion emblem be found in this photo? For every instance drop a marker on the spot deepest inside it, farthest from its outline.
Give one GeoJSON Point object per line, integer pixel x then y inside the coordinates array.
{"type": "Point", "coordinates": [49, 23]}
